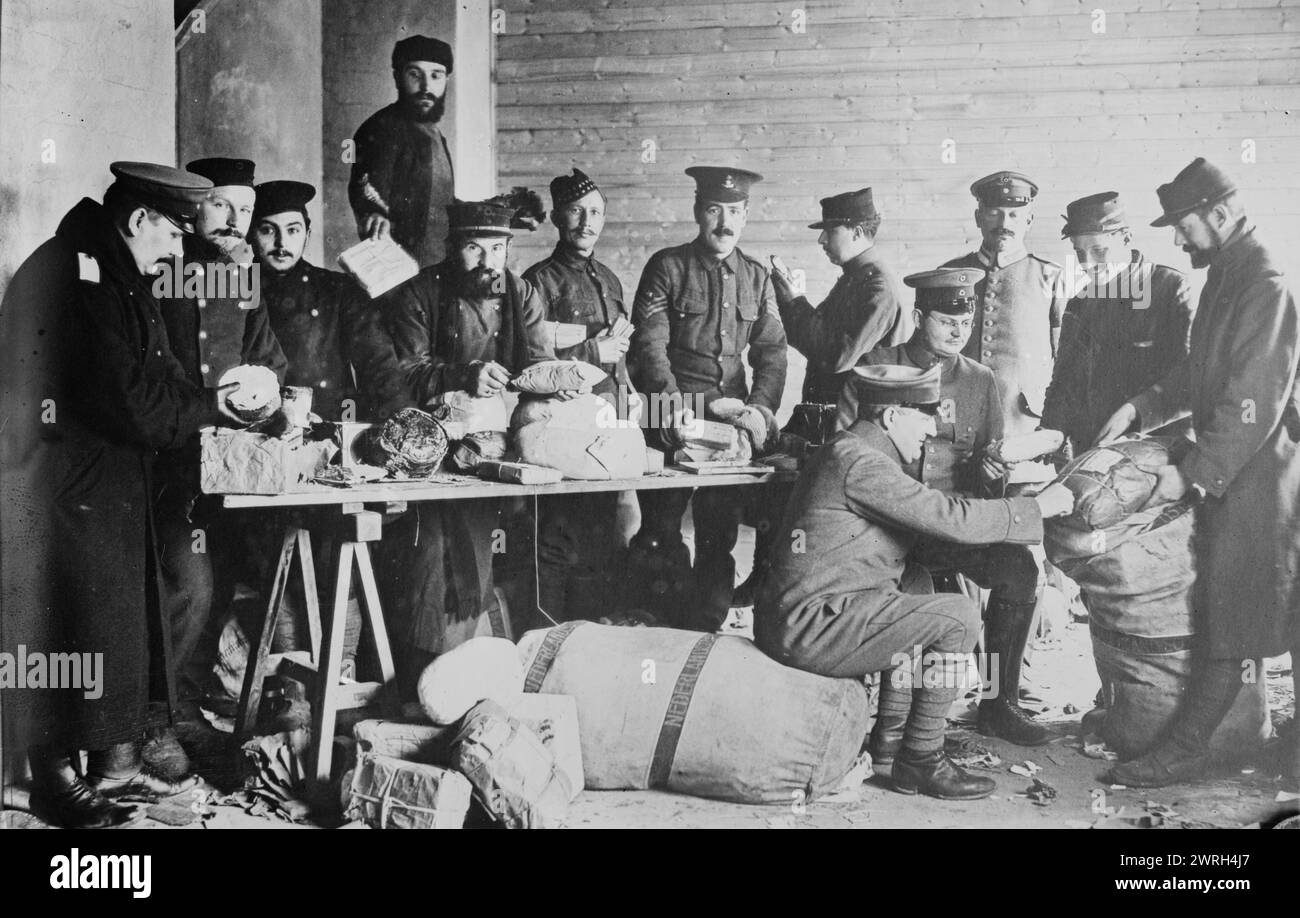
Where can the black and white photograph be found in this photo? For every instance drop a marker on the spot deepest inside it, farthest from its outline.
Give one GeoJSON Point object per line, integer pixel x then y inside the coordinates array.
{"type": "Point", "coordinates": [835, 414]}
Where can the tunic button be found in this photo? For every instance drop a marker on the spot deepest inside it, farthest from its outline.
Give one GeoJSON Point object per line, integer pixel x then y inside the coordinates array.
{"type": "Point", "coordinates": [1016, 518]}
{"type": "Point", "coordinates": [988, 323]}
{"type": "Point", "coordinates": [315, 312]}
{"type": "Point", "coordinates": [304, 278]}
{"type": "Point", "coordinates": [159, 353]}
{"type": "Point", "coordinates": [323, 384]}
{"type": "Point", "coordinates": [988, 337]}
{"type": "Point", "coordinates": [726, 305]}
{"type": "Point", "coordinates": [988, 353]}
{"type": "Point", "coordinates": [203, 336]}
{"type": "Point", "coordinates": [202, 303]}
{"type": "Point", "coordinates": [203, 368]}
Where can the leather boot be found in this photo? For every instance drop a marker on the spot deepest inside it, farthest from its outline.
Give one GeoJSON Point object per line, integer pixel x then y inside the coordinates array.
{"type": "Point", "coordinates": [120, 773]}
{"type": "Point", "coordinates": [935, 775]}
{"type": "Point", "coordinates": [1005, 634]}
{"type": "Point", "coordinates": [62, 797]}
{"type": "Point", "coordinates": [886, 739]}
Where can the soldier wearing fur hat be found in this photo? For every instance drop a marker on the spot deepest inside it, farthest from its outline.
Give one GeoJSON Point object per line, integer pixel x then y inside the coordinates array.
{"type": "Point", "coordinates": [1019, 303]}
{"type": "Point", "coordinates": [89, 544]}
{"type": "Point", "coordinates": [1122, 331]}
{"type": "Point", "coordinates": [834, 602]}
{"type": "Point", "coordinates": [402, 178]}
{"type": "Point", "coordinates": [700, 310]}
{"type": "Point", "coordinates": [1241, 383]}
{"type": "Point", "coordinates": [955, 461]}
{"type": "Point", "coordinates": [467, 324]}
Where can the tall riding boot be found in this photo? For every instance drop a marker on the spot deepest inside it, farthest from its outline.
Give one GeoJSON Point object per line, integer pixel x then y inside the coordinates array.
{"type": "Point", "coordinates": [63, 797]}
{"type": "Point", "coordinates": [120, 772]}
{"type": "Point", "coordinates": [1186, 754]}
{"type": "Point", "coordinates": [1006, 632]}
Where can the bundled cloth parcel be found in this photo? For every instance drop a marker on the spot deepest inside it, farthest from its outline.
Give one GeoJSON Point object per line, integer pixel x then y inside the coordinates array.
{"type": "Point", "coordinates": [1136, 568]}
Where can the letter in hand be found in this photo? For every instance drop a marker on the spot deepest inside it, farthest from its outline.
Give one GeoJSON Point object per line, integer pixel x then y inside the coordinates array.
{"type": "Point", "coordinates": [1055, 500]}
{"type": "Point", "coordinates": [782, 281]}
{"type": "Point", "coordinates": [1120, 423]}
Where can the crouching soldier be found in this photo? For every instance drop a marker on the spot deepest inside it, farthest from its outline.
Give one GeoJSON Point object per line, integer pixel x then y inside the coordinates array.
{"type": "Point", "coordinates": [833, 603]}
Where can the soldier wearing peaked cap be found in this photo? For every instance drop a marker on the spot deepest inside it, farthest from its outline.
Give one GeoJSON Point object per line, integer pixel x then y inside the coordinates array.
{"type": "Point", "coordinates": [1126, 326]}
{"type": "Point", "coordinates": [834, 604]}
{"type": "Point", "coordinates": [212, 327]}
{"type": "Point", "coordinates": [468, 324]}
{"type": "Point", "coordinates": [577, 537]}
{"type": "Point", "coordinates": [1241, 383]}
{"type": "Point", "coordinates": [954, 461]}
{"type": "Point", "coordinates": [88, 546]}
{"type": "Point", "coordinates": [700, 310]}
{"type": "Point", "coordinates": [402, 179]}
{"type": "Point", "coordinates": [861, 311]}
{"type": "Point", "coordinates": [1018, 304]}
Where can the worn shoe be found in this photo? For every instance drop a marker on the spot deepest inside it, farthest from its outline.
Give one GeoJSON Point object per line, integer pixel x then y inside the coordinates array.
{"type": "Point", "coordinates": [1169, 764]}
{"type": "Point", "coordinates": [145, 785]}
{"type": "Point", "coordinates": [77, 805]}
{"type": "Point", "coordinates": [999, 717]}
{"type": "Point", "coordinates": [936, 776]}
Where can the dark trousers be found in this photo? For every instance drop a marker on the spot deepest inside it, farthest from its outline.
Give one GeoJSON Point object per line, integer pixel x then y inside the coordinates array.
{"type": "Point", "coordinates": [717, 516]}
{"type": "Point", "coordinates": [577, 555]}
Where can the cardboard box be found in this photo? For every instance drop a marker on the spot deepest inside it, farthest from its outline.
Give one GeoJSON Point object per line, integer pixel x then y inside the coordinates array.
{"type": "Point", "coordinates": [240, 462]}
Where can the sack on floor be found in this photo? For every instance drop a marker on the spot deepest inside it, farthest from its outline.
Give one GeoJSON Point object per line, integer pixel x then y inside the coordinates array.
{"type": "Point", "coordinates": [482, 667]}
{"type": "Point", "coordinates": [514, 775]}
{"type": "Point", "coordinates": [1136, 579]}
{"type": "Point", "coordinates": [698, 714]}
{"type": "Point", "coordinates": [581, 437]}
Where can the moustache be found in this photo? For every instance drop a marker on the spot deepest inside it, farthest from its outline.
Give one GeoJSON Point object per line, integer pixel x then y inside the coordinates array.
{"type": "Point", "coordinates": [724, 232]}
{"type": "Point", "coordinates": [280, 253]}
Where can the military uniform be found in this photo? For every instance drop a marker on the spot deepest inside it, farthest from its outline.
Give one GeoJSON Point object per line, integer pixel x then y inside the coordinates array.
{"type": "Point", "coordinates": [577, 538]}
{"type": "Point", "coordinates": [436, 562]}
{"type": "Point", "coordinates": [696, 317]}
{"type": "Point", "coordinates": [1118, 337]}
{"type": "Point", "coordinates": [1018, 313]}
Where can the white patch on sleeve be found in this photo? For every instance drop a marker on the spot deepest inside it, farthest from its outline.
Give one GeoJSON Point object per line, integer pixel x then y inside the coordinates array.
{"type": "Point", "coordinates": [87, 268]}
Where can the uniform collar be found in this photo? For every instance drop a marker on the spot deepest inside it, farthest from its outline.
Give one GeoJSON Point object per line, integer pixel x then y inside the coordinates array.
{"type": "Point", "coordinates": [87, 228]}
{"type": "Point", "coordinates": [1239, 245]}
{"type": "Point", "coordinates": [993, 262]}
{"type": "Point", "coordinates": [732, 261]}
{"type": "Point", "coordinates": [569, 257]}
{"type": "Point", "coordinates": [861, 262]}
{"type": "Point", "coordinates": [923, 357]}
{"type": "Point", "coordinates": [876, 438]}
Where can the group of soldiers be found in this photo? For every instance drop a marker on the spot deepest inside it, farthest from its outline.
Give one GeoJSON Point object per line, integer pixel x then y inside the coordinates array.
{"type": "Point", "coordinates": [994, 346]}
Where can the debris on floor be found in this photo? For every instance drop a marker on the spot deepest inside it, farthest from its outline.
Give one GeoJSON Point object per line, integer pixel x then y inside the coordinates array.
{"type": "Point", "coordinates": [1041, 793]}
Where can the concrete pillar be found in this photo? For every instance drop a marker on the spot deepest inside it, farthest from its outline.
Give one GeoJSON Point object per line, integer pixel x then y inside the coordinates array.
{"type": "Point", "coordinates": [249, 85]}
{"type": "Point", "coordinates": [81, 85]}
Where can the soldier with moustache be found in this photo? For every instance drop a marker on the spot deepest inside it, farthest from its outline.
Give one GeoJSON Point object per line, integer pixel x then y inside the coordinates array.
{"type": "Point", "coordinates": [834, 603]}
{"type": "Point", "coordinates": [577, 536]}
{"type": "Point", "coordinates": [700, 309]}
{"type": "Point", "coordinates": [1019, 303]}
{"type": "Point", "coordinates": [209, 335]}
{"type": "Point", "coordinates": [955, 461]}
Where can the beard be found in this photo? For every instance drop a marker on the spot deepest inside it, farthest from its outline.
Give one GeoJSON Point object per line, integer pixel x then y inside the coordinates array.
{"type": "Point", "coordinates": [1200, 257]}
{"type": "Point", "coordinates": [433, 115]}
{"type": "Point", "coordinates": [481, 283]}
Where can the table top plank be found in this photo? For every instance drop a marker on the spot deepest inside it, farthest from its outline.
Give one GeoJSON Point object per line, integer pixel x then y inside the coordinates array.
{"type": "Point", "coordinates": [466, 487]}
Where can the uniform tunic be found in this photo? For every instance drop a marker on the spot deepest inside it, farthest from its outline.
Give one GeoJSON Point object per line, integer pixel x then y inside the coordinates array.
{"type": "Point", "coordinates": [861, 312]}
{"type": "Point", "coordinates": [1239, 381]}
{"type": "Point", "coordinates": [1017, 326]}
{"type": "Point", "coordinates": [1115, 346]}
{"type": "Point", "coordinates": [124, 396]}
{"type": "Point", "coordinates": [437, 561]}
{"type": "Point", "coordinates": [832, 602]}
{"type": "Point", "coordinates": [407, 163]}
{"type": "Point", "coordinates": [582, 291]}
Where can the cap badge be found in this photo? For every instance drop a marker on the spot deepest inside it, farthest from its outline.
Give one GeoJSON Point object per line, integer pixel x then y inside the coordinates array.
{"type": "Point", "coordinates": [728, 182]}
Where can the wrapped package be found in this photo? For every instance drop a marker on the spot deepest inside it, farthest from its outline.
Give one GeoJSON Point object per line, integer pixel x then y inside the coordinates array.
{"type": "Point", "coordinates": [476, 448]}
{"type": "Point", "coordinates": [1112, 482]}
{"type": "Point", "coordinates": [581, 437]}
{"type": "Point", "coordinates": [550, 376]}
{"type": "Point", "coordinates": [461, 414]}
{"type": "Point", "coordinates": [243, 462]}
{"type": "Point", "coordinates": [410, 444]}
{"type": "Point", "coordinates": [389, 793]}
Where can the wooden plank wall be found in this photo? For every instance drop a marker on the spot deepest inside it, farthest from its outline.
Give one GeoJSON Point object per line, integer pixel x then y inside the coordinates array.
{"type": "Point", "coordinates": [868, 93]}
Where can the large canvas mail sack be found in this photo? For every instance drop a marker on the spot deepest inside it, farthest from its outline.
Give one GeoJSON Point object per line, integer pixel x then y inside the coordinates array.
{"type": "Point", "coordinates": [582, 437]}
{"type": "Point", "coordinates": [698, 714]}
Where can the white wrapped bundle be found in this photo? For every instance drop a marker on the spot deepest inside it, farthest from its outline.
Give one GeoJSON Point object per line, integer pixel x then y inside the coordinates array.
{"type": "Point", "coordinates": [482, 667]}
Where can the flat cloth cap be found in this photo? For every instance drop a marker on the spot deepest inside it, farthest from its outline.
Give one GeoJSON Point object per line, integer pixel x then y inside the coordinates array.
{"type": "Point", "coordinates": [1199, 183]}
{"type": "Point", "coordinates": [280, 197]}
{"type": "Point", "coordinates": [722, 184]}
{"type": "Point", "coordinates": [1097, 213]}
{"type": "Point", "coordinates": [851, 207]}
{"type": "Point", "coordinates": [223, 170]}
{"type": "Point", "coordinates": [947, 290]}
{"type": "Point", "coordinates": [565, 189]}
{"type": "Point", "coordinates": [1004, 189]}
{"type": "Point", "coordinates": [172, 192]}
{"type": "Point", "coordinates": [887, 384]}
{"type": "Point", "coordinates": [479, 218]}
{"type": "Point", "coordinates": [422, 48]}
